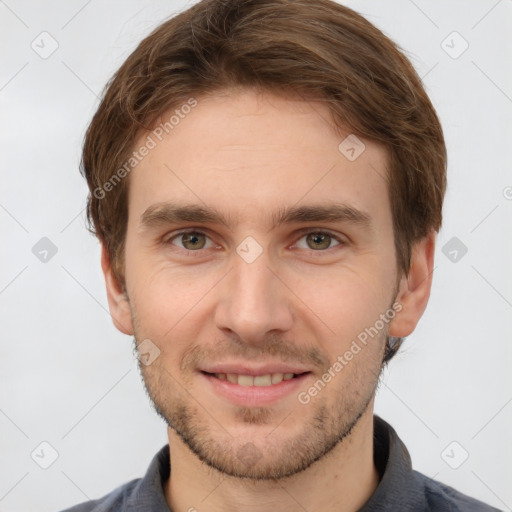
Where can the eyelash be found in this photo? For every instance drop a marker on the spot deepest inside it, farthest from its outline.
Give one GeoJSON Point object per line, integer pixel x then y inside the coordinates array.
{"type": "Point", "coordinates": [302, 233]}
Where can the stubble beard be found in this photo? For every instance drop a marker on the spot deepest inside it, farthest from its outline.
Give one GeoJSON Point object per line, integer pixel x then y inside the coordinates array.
{"type": "Point", "coordinates": [276, 455]}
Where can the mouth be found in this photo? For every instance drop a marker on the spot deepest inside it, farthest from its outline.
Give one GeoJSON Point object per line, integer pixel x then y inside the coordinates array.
{"type": "Point", "coordinates": [254, 388]}
{"type": "Point", "coordinates": [267, 379]}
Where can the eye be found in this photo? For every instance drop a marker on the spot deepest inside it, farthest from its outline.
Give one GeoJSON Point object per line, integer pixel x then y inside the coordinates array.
{"type": "Point", "coordinates": [194, 241]}
{"type": "Point", "coordinates": [191, 240]}
{"type": "Point", "coordinates": [319, 241]}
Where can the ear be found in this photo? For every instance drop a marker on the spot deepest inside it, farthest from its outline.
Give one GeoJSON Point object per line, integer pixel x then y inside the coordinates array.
{"type": "Point", "coordinates": [117, 299]}
{"type": "Point", "coordinates": [414, 289]}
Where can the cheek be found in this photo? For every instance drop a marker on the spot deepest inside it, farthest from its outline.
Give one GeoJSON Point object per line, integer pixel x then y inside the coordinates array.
{"type": "Point", "coordinates": [341, 303]}
{"type": "Point", "coordinates": [167, 300]}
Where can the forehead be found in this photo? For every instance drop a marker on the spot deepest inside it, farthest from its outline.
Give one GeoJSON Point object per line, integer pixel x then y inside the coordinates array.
{"type": "Point", "coordinates": [246, 153]}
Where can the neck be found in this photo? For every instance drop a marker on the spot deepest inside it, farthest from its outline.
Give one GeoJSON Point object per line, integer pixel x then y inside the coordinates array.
{"type": "Point", "coordinates": [343, 480]}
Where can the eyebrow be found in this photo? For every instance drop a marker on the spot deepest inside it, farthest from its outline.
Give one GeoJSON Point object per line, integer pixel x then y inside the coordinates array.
{"type": "Point", "coordinates": [171, 213]}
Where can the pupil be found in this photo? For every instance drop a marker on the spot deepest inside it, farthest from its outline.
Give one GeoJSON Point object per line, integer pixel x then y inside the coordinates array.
{"type": "Point", "coordinates": [320, 239]}
{"type": "Point", "coordinates": [192, 240]}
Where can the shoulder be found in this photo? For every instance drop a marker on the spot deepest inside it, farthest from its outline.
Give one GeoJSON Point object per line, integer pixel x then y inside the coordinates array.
{"type": "Point", "coordinates": [112, 502]}
{"type": "Point", "coordinates": [146, 492]}
{"type": "Point", "coordinates": [443, 498]}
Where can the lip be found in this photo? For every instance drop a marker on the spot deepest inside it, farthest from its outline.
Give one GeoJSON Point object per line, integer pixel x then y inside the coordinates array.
{"type": "Point", "coordinates": [253, 370]}
{"type": "Point", "coordinates": [254, 395]}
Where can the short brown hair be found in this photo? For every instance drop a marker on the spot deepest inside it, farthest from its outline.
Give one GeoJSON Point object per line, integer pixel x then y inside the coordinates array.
{"type": "Point", "coordinates": [317, 49]}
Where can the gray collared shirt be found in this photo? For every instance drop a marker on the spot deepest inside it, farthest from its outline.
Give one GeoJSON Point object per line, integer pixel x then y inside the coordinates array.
{"type": "Point", "coordinates": [400, 487]}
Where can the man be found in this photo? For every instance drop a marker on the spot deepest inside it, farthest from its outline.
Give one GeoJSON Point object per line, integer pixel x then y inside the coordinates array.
{"type": "Point", "coordinates": [267, 179]}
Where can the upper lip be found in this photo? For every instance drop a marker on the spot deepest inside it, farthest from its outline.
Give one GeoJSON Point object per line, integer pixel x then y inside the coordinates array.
{"type": "Point", "coordinates": [253, 370]}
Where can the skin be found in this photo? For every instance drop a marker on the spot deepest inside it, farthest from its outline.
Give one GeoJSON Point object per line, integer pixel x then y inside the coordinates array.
{"type": "Point", "coordinates": [248, 154]}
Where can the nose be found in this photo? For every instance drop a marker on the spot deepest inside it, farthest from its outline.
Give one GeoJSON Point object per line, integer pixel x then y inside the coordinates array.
{"type": "Point", "coordinates": [253, 301]}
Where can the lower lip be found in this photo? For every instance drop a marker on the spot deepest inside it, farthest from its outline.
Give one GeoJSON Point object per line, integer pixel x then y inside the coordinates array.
{"type": "Point", "coordinates": [255, 395]}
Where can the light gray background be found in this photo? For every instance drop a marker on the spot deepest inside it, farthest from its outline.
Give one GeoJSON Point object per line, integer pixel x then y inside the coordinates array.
{"type": "Point", "coordinates": [70, 379]}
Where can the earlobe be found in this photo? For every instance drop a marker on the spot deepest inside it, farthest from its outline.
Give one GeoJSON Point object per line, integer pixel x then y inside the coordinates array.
{"type": "Point", "coordinates": [117, 299]}
{"type": "Point", "coordinates": [414, 289]}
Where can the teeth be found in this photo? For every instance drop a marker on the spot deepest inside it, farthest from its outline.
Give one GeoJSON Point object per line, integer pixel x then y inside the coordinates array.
{"type": "Point", "coordinates": [260, 380]}
{"type": "Point", "coordinates": [232, 378]}
{"type": "Point", "coordinates": [245, 380]}
{"type": "Point", "coordinates": [277, 378]}
{"type": "Point", "coordinates": [263, 380]}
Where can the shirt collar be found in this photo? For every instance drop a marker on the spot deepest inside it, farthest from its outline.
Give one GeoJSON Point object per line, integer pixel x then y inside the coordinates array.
{"type": "Point", "coordinates": [400, 487]}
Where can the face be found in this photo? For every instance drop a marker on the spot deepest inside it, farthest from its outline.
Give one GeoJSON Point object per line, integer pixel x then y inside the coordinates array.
{"type": "Point", "coordinates": [257, 257]}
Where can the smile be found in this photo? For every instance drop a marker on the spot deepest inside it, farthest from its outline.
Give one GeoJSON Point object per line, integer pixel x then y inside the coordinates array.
{"type": "Point", "coordinates": [268, 379]}
{"type": "Point", "coordinates": [258, 389]}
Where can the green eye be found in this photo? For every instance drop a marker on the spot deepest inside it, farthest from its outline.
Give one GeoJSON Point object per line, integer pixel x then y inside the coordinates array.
{"type": "Point", "coordinates": [318, 241]}
{"type": "Point", "coordinates": [193, 240]}
{"type": "Point", "coordinates": [190, 240]}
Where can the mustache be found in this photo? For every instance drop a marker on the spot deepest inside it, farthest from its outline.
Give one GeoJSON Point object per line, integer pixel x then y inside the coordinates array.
{"type": "Point", "coordinates": [272, 348]}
